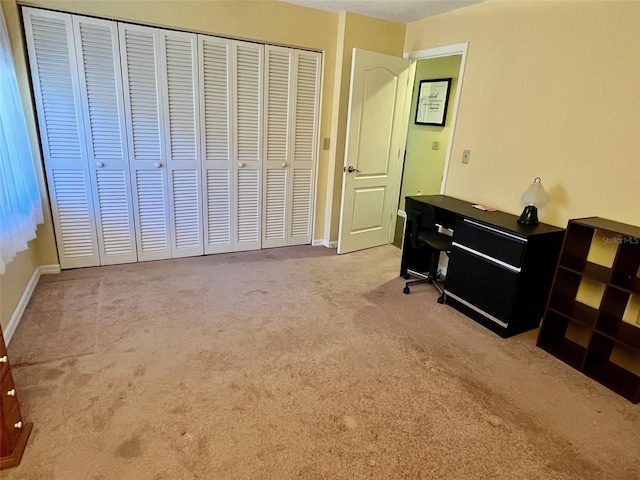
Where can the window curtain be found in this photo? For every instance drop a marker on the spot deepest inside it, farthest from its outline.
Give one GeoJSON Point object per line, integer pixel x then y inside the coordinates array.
{"type": "Point", "coordinates": [20, 203]}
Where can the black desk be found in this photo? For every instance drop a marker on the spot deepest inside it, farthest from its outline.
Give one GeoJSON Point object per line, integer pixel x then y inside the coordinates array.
{"type": "Point", "coordinates": [499, 272]}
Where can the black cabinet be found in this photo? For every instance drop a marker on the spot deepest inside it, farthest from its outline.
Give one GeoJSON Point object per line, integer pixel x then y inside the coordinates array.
{"type": "Point", "coordinates": [499, 272]}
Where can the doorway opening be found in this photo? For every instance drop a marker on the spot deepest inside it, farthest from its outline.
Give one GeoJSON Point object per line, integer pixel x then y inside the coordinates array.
{"type": "Point", "coordinates": [428, 147]}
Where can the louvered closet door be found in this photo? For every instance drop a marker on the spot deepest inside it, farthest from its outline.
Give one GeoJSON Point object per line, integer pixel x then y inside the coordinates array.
{"type": "Point", "coordinates": [182, 134]}
{"type": "Point", "coordinates": [231, 109]}
{"type": "Point", "coordinates": [247, 103]}
{"type": "Point", "coordinates": [98, 58]}
{"type": "Point", "coordinates": [54, 73]}
{"type": "Point", "coordinates": [291, 130]}
{"type": "Point", "coordinates": [216, 112]}
{"type": "Point", "coordinates": [306, 105]}
{"type": "Point", "coordinates": [277, 145]}
{"type": "Point", "coordinates": [140, 51]}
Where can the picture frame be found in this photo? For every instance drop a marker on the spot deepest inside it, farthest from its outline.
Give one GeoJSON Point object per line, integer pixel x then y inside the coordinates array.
{"type": "Point", "coordinates": [432, 103]}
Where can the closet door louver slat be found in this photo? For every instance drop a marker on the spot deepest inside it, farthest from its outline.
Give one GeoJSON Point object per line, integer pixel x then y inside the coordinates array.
{"type": "Point", "coordinates": [54, 74]}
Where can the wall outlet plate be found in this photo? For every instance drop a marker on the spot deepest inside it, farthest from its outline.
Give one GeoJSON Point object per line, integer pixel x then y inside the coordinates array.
{"type": "Point", "coordinates": [465, 156]}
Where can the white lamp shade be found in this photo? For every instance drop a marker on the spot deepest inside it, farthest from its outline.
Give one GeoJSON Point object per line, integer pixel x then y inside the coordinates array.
{"type": "Point", "coordinates": [535, 194]}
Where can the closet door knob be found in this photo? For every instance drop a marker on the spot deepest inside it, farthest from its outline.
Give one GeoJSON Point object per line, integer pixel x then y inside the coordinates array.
{"type": "Point", "coordinates": [4, 359]}
{"type": "Point", "coordinates": [240, 164]}
{"type": "Point", "coordinates": [18, 425]}
{"type": "Point", "coordinates": [99, 164]}
{"type": "Point", "coordinates": [157, 165]}
{"type": "Point", "coordinates": [12, 392]}
{"type": "Point", "coordinates": [284, 164]}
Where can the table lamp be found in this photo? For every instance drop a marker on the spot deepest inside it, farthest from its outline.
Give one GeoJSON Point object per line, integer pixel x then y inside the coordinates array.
{"type": "Point", "coordinates": [533, 197]}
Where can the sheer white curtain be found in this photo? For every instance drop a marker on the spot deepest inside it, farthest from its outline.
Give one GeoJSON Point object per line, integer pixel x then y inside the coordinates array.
{"type": "Point", "coordinates": [20, 203]}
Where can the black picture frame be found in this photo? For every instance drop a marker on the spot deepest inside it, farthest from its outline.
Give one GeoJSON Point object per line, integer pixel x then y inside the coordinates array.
{"type": "Point", "coordinates": [433, 101]}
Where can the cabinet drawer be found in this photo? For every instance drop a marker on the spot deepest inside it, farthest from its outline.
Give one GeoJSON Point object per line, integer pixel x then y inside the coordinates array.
{"type": "Point", "coordinates": [10, 412]}
{"type": "Point", "coordinates": [485, 285]}
{"type": "Point", "coordinates": [502, 246]}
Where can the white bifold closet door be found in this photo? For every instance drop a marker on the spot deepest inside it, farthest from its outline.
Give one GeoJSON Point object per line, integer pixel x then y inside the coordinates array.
{"type": "Point", "coordinates": [161, 144]}
{"type": "Point", "coordinates": [291, 114]}
{"type": "Point", "coordinates": [231, 112]}
{"type": "Point", "coordinates": [75, 71]}
{"type": "Point", "coordinates": [160, 74]}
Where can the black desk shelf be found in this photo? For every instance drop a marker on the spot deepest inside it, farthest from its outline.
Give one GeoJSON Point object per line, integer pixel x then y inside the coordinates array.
{"type": "Point", "coordinates": [611, 353]}
{"type": "Point", "coordinates": [499, 272]}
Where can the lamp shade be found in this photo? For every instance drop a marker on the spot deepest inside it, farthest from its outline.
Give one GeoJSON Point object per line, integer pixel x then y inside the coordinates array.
{"type": "Point", "coordinates": [535, 194]}
{"type": "Point", "coordinates": [533, 197]}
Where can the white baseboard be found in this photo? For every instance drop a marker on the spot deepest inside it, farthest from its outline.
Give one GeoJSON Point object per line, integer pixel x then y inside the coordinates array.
{"type": "Point", "coordinates": [26, 296]}
{"type": "Point", "coordinates": [324, 243]}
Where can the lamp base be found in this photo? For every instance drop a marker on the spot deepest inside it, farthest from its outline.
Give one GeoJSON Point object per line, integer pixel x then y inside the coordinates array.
{"type": "Point", "coordinates": [529, 216]}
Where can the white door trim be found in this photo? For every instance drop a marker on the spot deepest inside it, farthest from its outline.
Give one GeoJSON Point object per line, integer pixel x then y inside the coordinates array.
{"type": "Point", "coordinates": [446, 51]}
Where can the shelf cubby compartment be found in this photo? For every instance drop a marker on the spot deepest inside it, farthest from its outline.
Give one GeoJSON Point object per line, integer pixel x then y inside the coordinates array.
{"type": "Point", "coordinates": [603, 365]}
{"type": "Point", "coordinates": [576, 311]}
{"type": "Point", "coordinates": [577, 241]}
{"type": "Point", "coordinates": [563, 339]}
{"type": "Point", "coordinates": [619, 331]}
{"type": "Point", "coordinates": [626, 270]}
{"type": "Point", "coordinates": [566, 298]}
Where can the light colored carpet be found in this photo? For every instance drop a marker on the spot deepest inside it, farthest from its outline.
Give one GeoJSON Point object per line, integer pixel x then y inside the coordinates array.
{"type": "Point", "coordinates": [295, 363]}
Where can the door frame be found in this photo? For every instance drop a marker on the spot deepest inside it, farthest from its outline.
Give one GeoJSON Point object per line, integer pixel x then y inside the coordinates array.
{"type": "Point", "coordinates": [437, 52]}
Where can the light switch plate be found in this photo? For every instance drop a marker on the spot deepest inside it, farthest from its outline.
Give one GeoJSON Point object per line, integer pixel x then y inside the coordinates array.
{"type": "Point", "coordinates": [465, 156]}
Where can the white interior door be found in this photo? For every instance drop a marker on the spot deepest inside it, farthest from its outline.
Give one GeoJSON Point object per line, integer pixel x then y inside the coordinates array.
{"type": "Point", "coordinates": [376, 131]}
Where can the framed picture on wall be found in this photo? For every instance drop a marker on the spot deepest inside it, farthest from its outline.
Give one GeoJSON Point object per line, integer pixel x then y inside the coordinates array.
{"type": "Point", "coordinates": [433, 99]}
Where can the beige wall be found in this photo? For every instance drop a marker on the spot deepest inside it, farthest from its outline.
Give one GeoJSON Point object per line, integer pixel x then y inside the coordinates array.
{"type": "Point", "coordinates": [423, 166]}
{"type": "Point", "coordinates": [550, 89]}
{"type": "Point", "coordinates": [14, 282]}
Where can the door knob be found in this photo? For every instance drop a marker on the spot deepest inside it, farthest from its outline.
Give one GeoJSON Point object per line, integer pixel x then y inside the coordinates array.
{"type": "Point", "coordinates": [240, 164]}
{"type": "Point", "coordinates": [284, 164]}
{"type": "Point", "coordinates": [157, 165]}
{"type": "Point", "coordinates": [350, 169]}
{"type": "Point", "coordinates": [99, 164]}
{"type": "Point", "coordinates": [12, 392]}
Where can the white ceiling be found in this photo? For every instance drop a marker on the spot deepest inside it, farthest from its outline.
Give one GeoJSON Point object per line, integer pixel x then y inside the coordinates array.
{"type": "Point", "coordinates": [404, 11]}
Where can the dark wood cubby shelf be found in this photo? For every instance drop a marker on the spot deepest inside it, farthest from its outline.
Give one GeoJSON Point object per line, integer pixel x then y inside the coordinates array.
{"type": "Point", "coordinates": [603, 330]}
